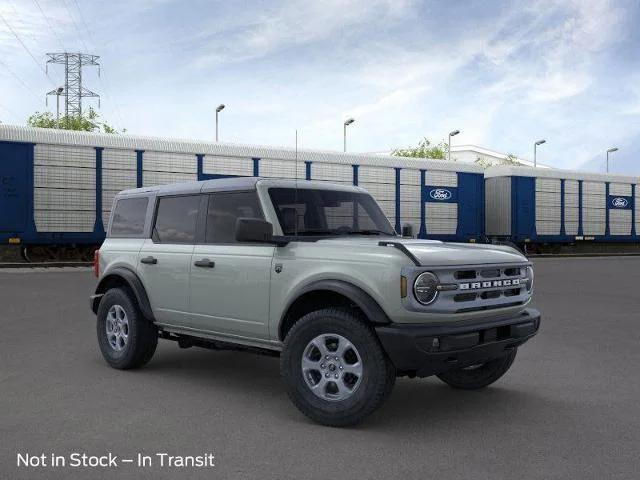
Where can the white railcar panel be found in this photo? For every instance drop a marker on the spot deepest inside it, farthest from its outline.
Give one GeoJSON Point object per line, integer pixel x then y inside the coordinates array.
{"type": "Point", "coordinates": [544, 227]}
{"type": "Point", "coordinates": [332, 172]}
{"type": "Point", "coordinates": [441, 179]}
{"type": "Point", "coordinates": [409, 176]}
{"type": "Point", "coordinates": [64, 220]}
{"type": "Point", "coordinates": [547, 198]}
{"type": "Point", "coordinates": [227, 165]}
{"type": "Point", "coordinates": [65, 178]}
{"type": "Point", "coordinates": [571, 200]}
{"type": "Point", "coordinates": [441, 218]}
{"type": "Point", "coordinates": [593, 188]}
{"type": "Point", "coordinates": [380, 191]}
{"type": "Point", "coordinates": [623, 189]}
{"type": "Point", "coordinates": [163, 178]}
{"type": "Point", "coordinates": [64, 199]}
{"type": "Point", "coordinates": [547, 185]}
{"type": "Point", "coordinates": [571, 186]}
{"type": "Point", "coordinates": [64, 156]}
{"type": "Point", "coordinates": [619, 222]}
{"type": "Point", "coordinates": [571, 228]}
{"type": "Point", "coordinates": [274, 168]}
{"type": "Point", "coordinates": [116, 159]}
{"type": "Point", "coordinates": [593, 228]}
{"type": "Point", "coordinates": [384, 175]}
{"type": "Point", "coordinates": [169, 162]}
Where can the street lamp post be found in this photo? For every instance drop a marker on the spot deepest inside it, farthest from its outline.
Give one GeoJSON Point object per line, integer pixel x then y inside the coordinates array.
{"type": "Point", "coordinates": [348, 121]}
{"type": "Point", "coordinates": [451, 134]}
{"type": "Point", "coordinates": [611, 150]}
{"type": "Point", "coordinates": [218, 110]}
{"type": "Point", "coordinates": [535, 146]}
{"type": "Point", "coordinates": [59, 90]}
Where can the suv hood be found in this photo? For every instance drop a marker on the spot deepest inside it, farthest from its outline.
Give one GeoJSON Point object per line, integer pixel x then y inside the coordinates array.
{"type": "Point", "coordinates": [435, 253]}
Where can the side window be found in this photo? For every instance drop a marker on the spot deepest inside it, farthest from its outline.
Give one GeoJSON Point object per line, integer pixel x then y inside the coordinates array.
{"type": "Point", "coordinates": [225, 209]}
{"type": "Point", "coordinates": [128, 217]}
{"type": "Point", "coordinates": [176, 219]}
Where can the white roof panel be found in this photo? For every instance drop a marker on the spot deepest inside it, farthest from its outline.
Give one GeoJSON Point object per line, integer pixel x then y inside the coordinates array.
{"type": "Point", "coordinates": [67, 137]}
{"type": "Point", "coordinates": [513, 171]}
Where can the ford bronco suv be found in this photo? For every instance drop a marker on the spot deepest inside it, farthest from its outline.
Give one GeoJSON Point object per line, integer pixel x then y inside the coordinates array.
{"type": "Point", "coordinates": [312, 272]}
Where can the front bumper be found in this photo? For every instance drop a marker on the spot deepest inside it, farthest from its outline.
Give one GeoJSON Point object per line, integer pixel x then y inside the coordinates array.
{"type": "Point", "coordinates": [424, 350]}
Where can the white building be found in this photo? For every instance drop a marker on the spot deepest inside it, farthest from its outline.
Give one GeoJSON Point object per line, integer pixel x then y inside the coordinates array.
{"type": "Point", "coordinates": [470, 153]}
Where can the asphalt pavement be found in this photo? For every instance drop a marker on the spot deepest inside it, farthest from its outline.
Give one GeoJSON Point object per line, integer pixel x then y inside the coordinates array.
{"type": "Point", "coordinates": [568, 408]}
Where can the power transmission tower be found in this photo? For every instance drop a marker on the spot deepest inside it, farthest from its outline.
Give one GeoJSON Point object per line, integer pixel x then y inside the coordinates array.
{"type": "Point", "coordinates": [74, 92]}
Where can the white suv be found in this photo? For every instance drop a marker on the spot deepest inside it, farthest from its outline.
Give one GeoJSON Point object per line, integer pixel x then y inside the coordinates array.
{"type": "Point", "coordinates": [312, 272]}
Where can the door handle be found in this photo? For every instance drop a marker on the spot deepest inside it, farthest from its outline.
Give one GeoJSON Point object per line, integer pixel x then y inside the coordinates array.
{"type": "Point", "coordinates": [149, 260]}
{"type": "Point", "coordinates": [205, 262]}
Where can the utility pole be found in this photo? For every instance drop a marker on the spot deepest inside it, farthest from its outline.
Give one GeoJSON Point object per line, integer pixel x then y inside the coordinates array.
{"type": "Point", "coordinates": [218, 110]}
{"type": "Point", "coordinates": [73, 89]}
{"type": "Point", "coordinates": [451, 134]}
{"type": "Point", "coordinates": [535, 152]}
{"type": "Point", "coordinates": [347, 122]}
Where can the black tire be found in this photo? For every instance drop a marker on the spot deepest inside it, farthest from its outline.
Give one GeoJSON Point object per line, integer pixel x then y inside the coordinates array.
{"type": "Point", "coordinates": [142, 338]}
{"type": "Point", "coordinates": [477, 377]}
{"type": "Point", "coordinates": [377, 379]}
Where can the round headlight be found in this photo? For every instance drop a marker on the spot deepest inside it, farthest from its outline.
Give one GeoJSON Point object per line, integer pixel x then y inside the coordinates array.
{"type": "Point", "coordinates": [425, 288]}
{"type": "Point", "coordinates": [529, 274]}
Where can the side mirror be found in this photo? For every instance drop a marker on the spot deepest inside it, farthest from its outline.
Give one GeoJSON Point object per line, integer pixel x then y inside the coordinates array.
{"type": "Point", "coordinates": [407, 231]}
{"type": "Point", "coordinates": [254, 230]}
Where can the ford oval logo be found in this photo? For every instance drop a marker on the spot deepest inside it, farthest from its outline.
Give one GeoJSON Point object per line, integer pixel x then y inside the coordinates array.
{"type": "Point", "coordinates": [440, 194]}
{"type": "Point", "coordinates": [619, 202]}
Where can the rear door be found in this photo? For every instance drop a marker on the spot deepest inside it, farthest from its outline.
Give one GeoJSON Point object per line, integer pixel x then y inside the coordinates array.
{"type": "Point", "coordinates": [164, 262]}
{"type": "Point", "coordinates": [14, 159]}
{"type": "Point", "coordinates": [230, 280]}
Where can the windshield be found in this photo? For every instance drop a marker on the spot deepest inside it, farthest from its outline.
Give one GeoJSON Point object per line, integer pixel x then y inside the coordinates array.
{"type": "Point", "coordinates": [309, 212]}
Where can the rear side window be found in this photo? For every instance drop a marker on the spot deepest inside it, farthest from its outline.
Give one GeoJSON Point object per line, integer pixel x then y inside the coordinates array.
{"type": "Point", "coordinates": [224, 210]}
{"type": "Point", "coordinates": [176, 219]}
{"type": "Point", "coordinates": [128, 217]}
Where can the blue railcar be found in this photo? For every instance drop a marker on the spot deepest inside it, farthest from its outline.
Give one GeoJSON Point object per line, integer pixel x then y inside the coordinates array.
{"type": "Point", "coordinates": [549, 206]}
{"type": "Point", "coordinates": [57, 186]}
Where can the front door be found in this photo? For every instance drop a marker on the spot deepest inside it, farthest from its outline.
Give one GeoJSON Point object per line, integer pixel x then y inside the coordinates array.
{"type": "Point", "coordinates": [164, 262]}
{"type": "Point", "coordinates": [230, 280]}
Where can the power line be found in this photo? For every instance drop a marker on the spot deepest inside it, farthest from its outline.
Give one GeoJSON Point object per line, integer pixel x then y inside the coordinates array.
{"type": "Point", "coordinates": [105, 83]}
{"type": "Point", "coordinates": [15, 75]}
{"type": "Point", "coordinates": [53, 30]}
{"type": "Point", "coordinates": [27, 49]}
{"type": "Point", "coordinates": [10, 112]}
{"type": "Point", "coordinates": [75, 25]}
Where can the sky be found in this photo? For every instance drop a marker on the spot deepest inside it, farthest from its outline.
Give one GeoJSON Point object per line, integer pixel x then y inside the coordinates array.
{"type": "Point", "coordinates": [504, 73]}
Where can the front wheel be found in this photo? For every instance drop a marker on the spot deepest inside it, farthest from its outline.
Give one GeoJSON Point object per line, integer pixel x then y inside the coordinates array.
{"type": "Point", "coordinates": [334, 367]}
{"type": "Point", "coordinates": [479, 376]}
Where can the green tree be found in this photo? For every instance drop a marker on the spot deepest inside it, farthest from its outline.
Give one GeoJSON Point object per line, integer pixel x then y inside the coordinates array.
{"type": "Point", "coordinates": [425, 149]}
{"type": "Point", "coordinates": [510, 159]}
{"type": "Point", "coordinates": [89, 121]}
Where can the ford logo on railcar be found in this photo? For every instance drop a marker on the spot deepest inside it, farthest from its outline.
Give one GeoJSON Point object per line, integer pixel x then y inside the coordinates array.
{"type": "Point", "coordinates": [619, 202]}
{"type": "Point", "coordinates": [440, 194]}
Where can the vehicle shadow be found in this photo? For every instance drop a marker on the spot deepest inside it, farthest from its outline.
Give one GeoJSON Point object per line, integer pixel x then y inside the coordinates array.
{"type": "Point", "coordinates": [414, 403]}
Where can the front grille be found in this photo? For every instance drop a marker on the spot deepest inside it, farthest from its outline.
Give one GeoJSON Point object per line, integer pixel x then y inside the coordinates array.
{"type": "Point", "coordinates": [485, 287]}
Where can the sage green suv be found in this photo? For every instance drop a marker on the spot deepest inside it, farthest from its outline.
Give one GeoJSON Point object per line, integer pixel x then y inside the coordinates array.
{"type": "Point", "coordinates": [311, 272]}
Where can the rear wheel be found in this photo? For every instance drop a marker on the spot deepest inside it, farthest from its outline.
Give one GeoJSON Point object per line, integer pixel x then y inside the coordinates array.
{"type": "Point", "coordinates": [479, 376]}
{"type": "Point", "coordinates": [126, 339]}
{"type": "Point", "coordinates": [334, 367]}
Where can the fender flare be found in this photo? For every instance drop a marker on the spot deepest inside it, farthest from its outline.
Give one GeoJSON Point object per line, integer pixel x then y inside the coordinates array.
{"type": "Point", "coordinates": [132, 280]}
{"type": "Point", "coordinates": [358, 296]}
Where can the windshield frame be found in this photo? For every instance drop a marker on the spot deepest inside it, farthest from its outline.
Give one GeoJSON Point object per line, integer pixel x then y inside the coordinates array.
{"type": "Point", "coordinates": [383, 227]}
